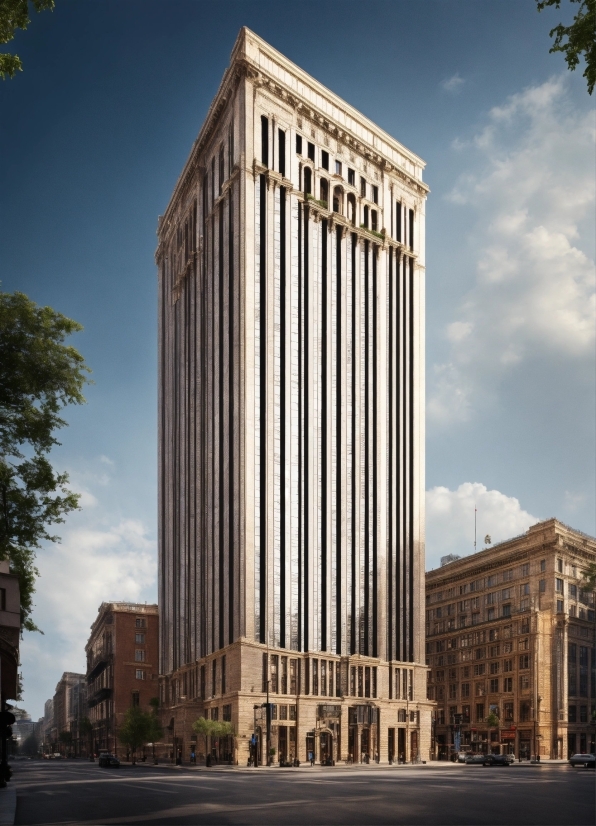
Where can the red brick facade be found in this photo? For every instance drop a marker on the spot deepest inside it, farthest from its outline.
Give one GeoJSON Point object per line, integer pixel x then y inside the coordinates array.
{"type": "Point", "coordinates": [121, 667]}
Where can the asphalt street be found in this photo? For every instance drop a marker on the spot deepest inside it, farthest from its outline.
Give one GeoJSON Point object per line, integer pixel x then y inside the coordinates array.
{"type": "Point", "coordinates": [82, 793]}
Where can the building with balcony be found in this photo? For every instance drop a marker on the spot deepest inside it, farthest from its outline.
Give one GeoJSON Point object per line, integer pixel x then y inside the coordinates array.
{"type": "Point", "coordinates": [121, 667]}
{"type": "Point", "coordinates": [291, 425]}
{"type": "Point", "coordinates": [511, 639]}
{"type": "Point", "coordinates": [64, 712]}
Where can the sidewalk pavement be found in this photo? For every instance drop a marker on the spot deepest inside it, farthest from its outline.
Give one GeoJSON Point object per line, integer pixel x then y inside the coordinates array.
{"type": "Point", "coordinates": [8, 804]}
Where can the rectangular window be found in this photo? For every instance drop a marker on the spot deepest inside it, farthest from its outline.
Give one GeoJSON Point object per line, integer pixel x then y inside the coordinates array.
{"type": "Point", "coordinates": [140, 674]}
{"type": "Point", "coordinates": [507, 665]}
{"type": "Point", "coordinates": [293, 681]}
{"type": "Point", "coordinates": [494, 685]}
{"type": "Point", "coordinates": [264, 141]}
{"type": "Point", "coordinates": [524, 682]}
{"type": "Point", "coordinates": [264, 674]}
{"type": "Point", "coordinates": [226, 713]}
{"type": "Point", "coordinates": [542, 586]}
{"type": "Point", "coordinates": [282, 151]}
{"type": "Point", "coordinates": [311, 151]}
{"type": "Point", "coordinates": [375, 194]}
{"type": "Point", "coordinates": [494, 667]}
{"type": "Point", "coordinates": [572, 591]}
{"type": "Point", "coordinates": [2, 599]}
{"type": "Point", "coordinates": [353, 681]}
{"type": "Point", "coordinates": [465, 690]}
{"type": "Point", "coordinates": [139, 655]}
{"type": "Point", "coordinates": [323, 678]}
{"type": "Point", "coordinates": [367, 681]}
{"type": "Point", "coordinates": [139, 638]}
{"type": "Point", "coordinates": [453, 691]}
{"type": "Point", "coordinates": [338, 167]}
{"type": "Point", "coordinates": [506, 610]}
{"type": "Point", "coordinates": [490, 614]}
{"type": "Point", "coordinates": [274, 673]}
{"type": "Point", "coordinates": [374, 220]}
{"type": "Point", "coordinates": [140, 622]}
{"type": "Point", "coordinates": [292, 712]}
{"type": "Point", "coordinates": [524, 589]}
{"type": "Point", "coordinates": [374, 681]}
{"type": "Point", "coordinates": [360, 681]}
{"type": "Point", "coordinates": [508, 684]}
{"type": "Point", "coordinates": [363, 187]}
{"type": "Point", "coordinates": [315, 676]}
{"type": "Point", "coordinates": [560, 566]}
{"type": "Point", "coordinates": [221, 173]}
{"type": "Point", "coordinates": [213, 678]}
{"type": "Point", "coordinates": [508, 575]}
{"type": "Point", "coordinates": [508, 712]}
{"type": "Point", "coordinates": [524, 660]}
{"type": "Point", "coordinates": [325, 159]}
{"type": "Point", "coordinates": [351, 177]}
{"type": "Point", "coordinates": [465, 710]}
{"type": "Point", "coordinates": [559, 606]}
{"type": "Point", "coordinates": [479, 669]}
{"type": "Point", "coordinates": [583, 714]}
{"type": "Point", "coordinates": [479, 712]}
{"type": "Point", "coordinates": [299, 144]}
{"type": "Point", "coordinates": [411, 229]}
{"type": "Point", "coordinates": [203, 686]}
{"type": "Point", "coordinates": [525, 569]}
{"type": "Point", "coordinates": [223, 674]}
{"type": "Point", "coordinates": [572, 714]}
{"type": "Point", "coordinates": [283, 712]}
{"type": "Point", "coordinates": [135, 699]}
{"type": "Point", "coordinates": [543, 565]}
{"type": "Point", "coordinates": [284, 675]}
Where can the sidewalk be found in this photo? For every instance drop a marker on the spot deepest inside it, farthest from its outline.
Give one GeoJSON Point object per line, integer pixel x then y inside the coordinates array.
{"type": "Point", "coordinates": [8, 804]}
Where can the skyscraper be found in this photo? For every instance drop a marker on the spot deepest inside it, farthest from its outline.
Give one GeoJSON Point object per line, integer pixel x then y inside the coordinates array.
{"type": "Point", "coordinates": [291, 424]}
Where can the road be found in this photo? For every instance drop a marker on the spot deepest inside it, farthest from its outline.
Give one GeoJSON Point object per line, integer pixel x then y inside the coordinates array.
{"type": "Point", "coordinates": [441, 794]}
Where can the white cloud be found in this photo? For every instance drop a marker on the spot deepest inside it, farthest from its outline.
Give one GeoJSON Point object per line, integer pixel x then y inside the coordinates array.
{"type": "Point", "coordinates": [453, 84]}
{"type": "Point", "coordinates": [98, 560]}
{"type": "Point", "coordinates": [450, 519]}
{"type": "Point", "coordinates": [531, 192]}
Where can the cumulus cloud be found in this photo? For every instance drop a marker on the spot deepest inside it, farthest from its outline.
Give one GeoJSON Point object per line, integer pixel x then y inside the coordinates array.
{"type": "Point", "coordinates": [100, 558]}
{"type": "Point", "coordinates": [450, 519]}
{"type": "Point", "coordinates": [531, 194]}
{"type": "Point", "coordinates": [453, 84]}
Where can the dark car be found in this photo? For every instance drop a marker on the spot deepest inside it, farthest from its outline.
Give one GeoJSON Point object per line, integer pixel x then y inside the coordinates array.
{"type": "Point", "coordinates": [496, 760]}
{"type": "Point", "coordinates": [475, 759]}
{"type": "Point", "coordinates": [109, 761]}
{"type": "Point", "coordinates": [586, 760]}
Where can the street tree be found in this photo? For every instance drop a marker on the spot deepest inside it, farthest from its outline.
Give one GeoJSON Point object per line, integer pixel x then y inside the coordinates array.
{"type": "Point", "coordinates": [86, 730]}
{"type": "Point", "coordinates": [137, 729]}
{"type": "Point", "coordinates": [39, 376]}
{"type": "Point", "coordinates": [30, 745]}
{"type": "Point", "coordinates": [212, 728]}
{"type": "Point", "coordinates": [580, 37]}
{"type": "Point", "coordinates": [14, 14]}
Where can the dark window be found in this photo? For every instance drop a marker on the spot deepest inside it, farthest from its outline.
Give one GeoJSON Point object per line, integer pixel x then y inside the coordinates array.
{"type": "Point", "coordinates": [264, 141]}
{"type": "Point", "coordinates": [479, 712]}
{"type": "Point", "coordinates": [411, 229]}
{"type": "Point", "coordinates": [572, 714]}
{"type": "Point", "coordinates": [293, 682]}
{"type": "Point", "coordinates": [223, 674]}
{"type": "Point", "coordinates": [203, 689]}
{"type": "Point", "coordinates": [325, 159]}
{"type": "Point", "coordinates": [542, 586]}
{"type": "Point", "coordinates": [282, 151]}
{"type": "Point", "coordinates": [324, 191]}
{"type": "Point", "coordinates": [139, 622]}
{"type": "Point", "coordinates": [398, 220]}
{"type": "Point", "coordinates": [363, 187]}
{"type": "Point", "coordinates": [135, 698]}
{"type": "Point", "coordinates": [299, 144]}
{"type": "Point", "coordinates": [311, 151]}
{"type": "Point", "coordinates": [213, 678]}
{"type": "Point", "coordinates": [560, 566]}
{"type": "Point", "coordinates": [583, 714]}
{"type": "Point", "coordinates": [315, 676]}
{"type": "Point", "coordinates": [338, 167]}
{"type": "Point", "coordinates": [543, 565]}
{"type": "Point", "coordinates": [221, 168]}
{"type": "Point", "coordinates": [365, 222]}
{"type": "Point", "coordinates": [558, 585]}
{"type": "Point", "coordinates": [524, 660]}
{"type": "Point", "coordinates": [2, 599]}
{"type": "Point", "coordinates": [375, 194]}
{"type": "Point", "coordinates": [374, 220]}
{"type": "Point", "coordinates": [274, 673]}
{"type": "Point", "coordinates": [351, 177]}
{"type": "Point", "coordinates": [506, 611]}
{"type": "Point", "coordinates": [265, 676]}
{"type": "Point", "coordinates": [308, 180]}
{"type": "Point", "coordinates": [226, 713]}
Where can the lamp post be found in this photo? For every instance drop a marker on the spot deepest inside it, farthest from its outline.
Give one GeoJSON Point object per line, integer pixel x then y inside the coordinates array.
{"type": "Point", "coordinates": [268, 725]}
{"type": "Point", "coordinates": [254, 744]}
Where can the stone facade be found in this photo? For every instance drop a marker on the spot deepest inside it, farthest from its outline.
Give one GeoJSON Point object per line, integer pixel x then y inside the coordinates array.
{"type": "Point", "coordinates": [291, 424]}
{"type": "Point", "coordinates": [510, 630]}
{"type": "Point", "coordinates": [121, 667]}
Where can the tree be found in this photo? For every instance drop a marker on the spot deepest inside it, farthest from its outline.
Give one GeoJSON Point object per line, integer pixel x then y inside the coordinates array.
{"type": "Point", "coordinates": [212, 728]}
{"type": "Point", "coordinates": [156, 731]}
{"type": "Point", "coordinates": [492, 721]}
{"type": "Point", "coordinates": [589, 578]}
{"type": "Point", "coordinates": [86, 729]}
{"type": "Point", "coordinates": [581, 39]}
{"type": "Point", "coordinates": [137, 729]}
{"type": "Point", "coordinates": [39, 375]}
{"type": "Point", "coordinates": [14, 14]}
{"type": "Point", "coordinates": [31, 745]}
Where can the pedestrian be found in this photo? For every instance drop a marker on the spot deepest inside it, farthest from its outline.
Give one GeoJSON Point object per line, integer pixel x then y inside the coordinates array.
{"type": "Point", "coordinates": [311, 757]}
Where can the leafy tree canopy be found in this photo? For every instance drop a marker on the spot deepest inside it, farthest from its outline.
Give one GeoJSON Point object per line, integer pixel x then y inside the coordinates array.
{"type": "Point", "coordinates": [14, 14]}
{"type": "Point", "coordinates": [139, 727]}
{"type": "Point", "coordinates": [589, 577]}
{"type": "Point", "coordinates": [492, 720]}
{"type": "Point", "coordinates": [213, 728]}
{"type": "Point", "coordinates": [39, 375]}
{"type": "Point", "coordinates": [581, 37]}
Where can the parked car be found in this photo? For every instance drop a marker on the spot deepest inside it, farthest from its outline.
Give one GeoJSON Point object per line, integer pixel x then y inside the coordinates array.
{"type": "Point", "coordinates": [497, 760]}
{"type": "Point", "coordinates": [107, 760]}
{"type": "Point", "coordinates": [461, 756]}
{"type": "Point", "coordinates": [475, 759]}
{"type": "Point", "coordinates": [586, 760]}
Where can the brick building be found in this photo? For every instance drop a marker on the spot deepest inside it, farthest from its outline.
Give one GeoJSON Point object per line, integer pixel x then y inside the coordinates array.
{"type": "Point", "coordinates": [511, 631]}
{"type": "Point", "coordinates": [291, 424]}
{"type": "Point", "coordinates": [121, 667]}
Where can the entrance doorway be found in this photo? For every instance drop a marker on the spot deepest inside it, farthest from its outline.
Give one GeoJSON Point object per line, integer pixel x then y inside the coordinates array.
{"type": "Point", "coordinates": [401, 745]}
{"type": "Point", "coordinates": [414, 746]}
{"type": "Point", "coordinates": [326, 748]}
{"type": "Point", "coordinates": [282, 741]}
{"type": "Point", "coordinates": [391, 745]}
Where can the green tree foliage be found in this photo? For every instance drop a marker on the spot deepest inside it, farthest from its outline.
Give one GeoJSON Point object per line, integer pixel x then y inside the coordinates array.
{"type": "Point", "coordinates": [580, 37]}
{"type": "Point", "coordinates": [139, 727]}
{"type": "Point", "coordinates": [39, 376]}
{"type": "Point", "coordinates": [492, 721]}
{"type": "Point", "coordinates": [14, 14]}
{"type": "Point", "coordinates": [589, 577]}
{"type": "Point", "coordinates": [213, 728]}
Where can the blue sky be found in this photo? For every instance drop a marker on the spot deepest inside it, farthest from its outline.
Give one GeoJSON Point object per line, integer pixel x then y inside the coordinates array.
{"type": "Point", "coordinates": [93, 135]}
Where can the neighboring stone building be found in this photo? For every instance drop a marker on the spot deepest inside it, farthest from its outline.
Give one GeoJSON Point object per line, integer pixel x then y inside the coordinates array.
{"type": "Point", "coordinates": [47, 726]}
{"type": "Point", "coordinates": [510, 631]}
{"type": "Point", "coordinates": [63, 711]}
{"type": "Point", "coordinates": [291, 424]}
{"type": "Point", "coordinates": [121, 667]}
{"type": "Point", "coordinates": [10, 629]}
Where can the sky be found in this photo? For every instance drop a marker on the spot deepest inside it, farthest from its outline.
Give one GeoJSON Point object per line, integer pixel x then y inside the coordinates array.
{"type": "Point", "coordinates": [93, 135]}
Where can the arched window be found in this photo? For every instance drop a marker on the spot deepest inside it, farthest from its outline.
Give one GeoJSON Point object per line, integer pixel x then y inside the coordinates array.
{"type": "Point", "coordinates": [338, 200]}
{"type": "Point", "coordinates": [351, 208]}
{"type": "Point", "coordinates": [324, 191]}
{"type": "Point", "coordinates": [308, 180]}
